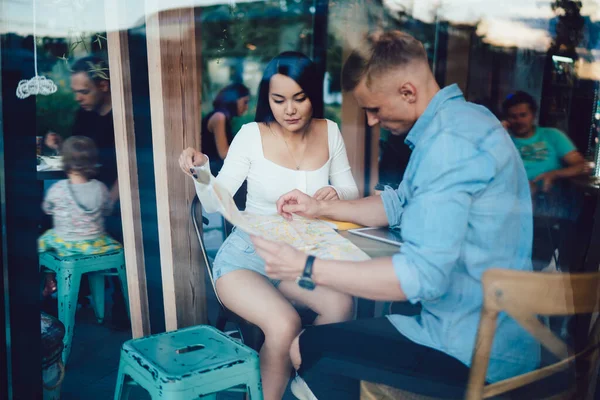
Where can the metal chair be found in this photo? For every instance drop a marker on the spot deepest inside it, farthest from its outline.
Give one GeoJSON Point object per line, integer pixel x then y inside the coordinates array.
{"type": "Point", "coordinates": [250, 334]}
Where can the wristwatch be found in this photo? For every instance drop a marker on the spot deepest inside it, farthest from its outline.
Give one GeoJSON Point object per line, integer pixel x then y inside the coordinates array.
{"type": "Point", "coordinates": [305, 280]}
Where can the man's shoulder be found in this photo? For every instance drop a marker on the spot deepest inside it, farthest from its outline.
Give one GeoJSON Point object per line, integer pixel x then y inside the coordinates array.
{"type": "Point", "coordinates": [548, 132]}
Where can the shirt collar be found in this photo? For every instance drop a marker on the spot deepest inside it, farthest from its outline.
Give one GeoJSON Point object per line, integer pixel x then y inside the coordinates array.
{"type": "Point", "coordinates": [447, 93]}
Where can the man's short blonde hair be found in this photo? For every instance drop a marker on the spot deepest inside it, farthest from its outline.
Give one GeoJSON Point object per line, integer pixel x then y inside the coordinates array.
{"type": "Point", "coordinates": [379, 53]}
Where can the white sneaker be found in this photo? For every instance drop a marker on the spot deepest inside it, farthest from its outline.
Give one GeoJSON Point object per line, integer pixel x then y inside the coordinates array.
{"type": "Point", "coordinates": [301, 390]}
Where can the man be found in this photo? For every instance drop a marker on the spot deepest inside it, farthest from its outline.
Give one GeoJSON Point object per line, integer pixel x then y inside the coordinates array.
{"type": "Point", "coordinates": [91, 85]}
{"type": "Point", "coordinates": [90, 82]}
{"type": "Point", "coordinates": [548, 154]}
{"type": "Point", "coordinates": [463, 207]}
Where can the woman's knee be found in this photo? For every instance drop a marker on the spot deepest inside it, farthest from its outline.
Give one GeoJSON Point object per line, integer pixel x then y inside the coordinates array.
{"type": "Point", "coordinates": [339, 307]}
{"type": "Point", "coordinates": [281, 330]}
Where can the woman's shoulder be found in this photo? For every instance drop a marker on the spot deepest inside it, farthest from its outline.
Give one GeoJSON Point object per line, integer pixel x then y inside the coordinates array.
{"type": "Point", "coordinates": [248, 131]}
{"type": "Point", "coordinates": [331, 129]}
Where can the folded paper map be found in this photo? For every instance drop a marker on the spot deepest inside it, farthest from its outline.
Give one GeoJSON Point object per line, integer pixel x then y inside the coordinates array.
{"type": "Point", "coordinates": [312, 236]}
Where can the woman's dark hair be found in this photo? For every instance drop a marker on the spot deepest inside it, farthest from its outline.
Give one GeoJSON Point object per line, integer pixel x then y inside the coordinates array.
{"type": "Point", "coordinates": [95, 67]}
{"type": "Point", "coordinates": [517, 98]}
{"type": "Point", "coordinates": [303, 71]}
{"type": "Point", "coordinates": [226, 100]}
{"type": "Point", "coordinates": [80, 155]}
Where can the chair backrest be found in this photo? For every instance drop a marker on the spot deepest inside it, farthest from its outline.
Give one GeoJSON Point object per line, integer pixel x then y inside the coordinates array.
{"type": "Point", "coordinates": [525, 296]}
{"type": "Point", "coordinates": [196, 215]}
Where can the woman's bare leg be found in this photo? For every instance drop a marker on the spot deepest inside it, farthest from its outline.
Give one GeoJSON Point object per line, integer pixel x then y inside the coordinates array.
{"type": "Point", "coordinates": [254, 298]}
{"type": "Point", "coordinates": [331, 307]}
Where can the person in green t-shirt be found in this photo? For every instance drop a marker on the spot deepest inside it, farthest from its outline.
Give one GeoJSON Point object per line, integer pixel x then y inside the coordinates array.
{"type": "Point", "coordinates": [547, 153]}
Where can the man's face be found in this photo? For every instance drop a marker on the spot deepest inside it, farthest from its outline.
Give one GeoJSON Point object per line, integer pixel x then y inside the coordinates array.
{"type": "Point", "coordinates": [89, 95]}
{"type": "Point", "coordinates": [521, 119]}
{"type": "Point", "coordinates": [387, 105]}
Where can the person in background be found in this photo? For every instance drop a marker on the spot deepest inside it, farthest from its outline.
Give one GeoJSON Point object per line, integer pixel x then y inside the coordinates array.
{"type": "Point", "coordinates": [289, 146]}
{"type": "Point", "coordinates": [78, 206]}
{"type": "Point", "coordinates": [547, 153]}
{"type": "Point", "coordinates": [90, 83]}
{"type": "Point", "coordinates": [231, 101]}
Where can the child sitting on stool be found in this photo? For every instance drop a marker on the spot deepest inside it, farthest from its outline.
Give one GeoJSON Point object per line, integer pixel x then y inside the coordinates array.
{"type": "Point", "coordinates": [78, 206]}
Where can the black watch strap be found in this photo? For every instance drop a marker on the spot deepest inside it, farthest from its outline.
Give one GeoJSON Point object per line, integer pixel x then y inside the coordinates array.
{"type": "Point", "coordinates": [308, 267]}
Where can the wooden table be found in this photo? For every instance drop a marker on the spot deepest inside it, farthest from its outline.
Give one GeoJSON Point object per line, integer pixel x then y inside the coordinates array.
{"type": "Point", "coordinates": [374, 249]}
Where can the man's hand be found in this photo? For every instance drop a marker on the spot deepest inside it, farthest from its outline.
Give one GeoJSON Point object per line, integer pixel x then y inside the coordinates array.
{"type": "Point", "coordinates": [326, 193]}
{"type": "Point", "coordinates": [547, 179]}
{"type": "Point", "coordinates": [282, 261]}
{"type": "Point", "coordinates": [53, 141]}
{"type": "Point", "coordinates": [296, 202]}
{"type": "Point", "coordinates": [191, 158]}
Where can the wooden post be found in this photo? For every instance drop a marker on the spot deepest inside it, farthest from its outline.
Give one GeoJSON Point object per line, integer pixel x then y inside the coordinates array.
{"type": "Point", "coordinates": [353, 117]}
{"type": "Point", "coordinates": [175, 112]}
{"type": "Point", "coordinates": [129, 194]}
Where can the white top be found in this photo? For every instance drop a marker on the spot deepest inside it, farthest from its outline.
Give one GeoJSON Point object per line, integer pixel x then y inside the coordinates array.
{"type": "Point", "coordinates": [267, 181]}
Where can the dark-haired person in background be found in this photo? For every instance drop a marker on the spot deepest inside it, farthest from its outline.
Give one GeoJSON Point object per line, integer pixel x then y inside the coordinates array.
{"type": "Point", "coordinates": [289, 147]}
{"type": "Point", "coordinates": [549, 157]}
{"type": "Point", "coordinates": [231, 101]}
{"type": "Point", "coordinates": [548, 154]}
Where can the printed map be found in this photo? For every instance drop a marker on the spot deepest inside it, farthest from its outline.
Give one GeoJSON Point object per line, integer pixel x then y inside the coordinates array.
{"type": "Point", "coordinates": [311, 236]}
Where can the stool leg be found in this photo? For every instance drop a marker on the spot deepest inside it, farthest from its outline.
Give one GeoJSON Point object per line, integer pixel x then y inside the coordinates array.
{"type": "Point", "coordinates": [122, 389]}
{"type": "Point", "coordinates": [97, 288]}
{"type": "Point", "coordinates": [123, 280]}
{"type": "Point", "coordinates": [68, 289]}
{"type": "Point", "coordinates": [254, 386]}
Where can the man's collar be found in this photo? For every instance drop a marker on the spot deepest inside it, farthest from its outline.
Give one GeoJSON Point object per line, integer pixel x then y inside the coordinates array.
{"type": "Point", "coordinates": [415, 134]}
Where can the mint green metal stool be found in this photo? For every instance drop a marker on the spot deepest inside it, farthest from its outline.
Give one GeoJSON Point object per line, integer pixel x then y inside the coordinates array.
{"type": "Point", "coordinates": [189, 363]}
{"type": "Point", "coordinates": [68, 277]}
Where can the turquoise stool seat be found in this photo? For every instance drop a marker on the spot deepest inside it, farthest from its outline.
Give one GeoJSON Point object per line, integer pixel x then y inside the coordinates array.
{"type": "Point", "coordinates": [68, 277]}
{"type": "Point", "coordinates": [189, 363]}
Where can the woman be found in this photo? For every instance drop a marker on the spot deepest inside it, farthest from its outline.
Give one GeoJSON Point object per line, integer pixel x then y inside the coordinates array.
{"type": "Point", "coordinates": [231, 101]}
{"type": "Point", "coordinates": [289, 146]}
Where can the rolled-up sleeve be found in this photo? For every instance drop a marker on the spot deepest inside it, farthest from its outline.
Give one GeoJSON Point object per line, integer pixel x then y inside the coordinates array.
{"type": "Point", "coordinates": [434, 222]}
{"type": "Point", "coordinates": [393, 204]}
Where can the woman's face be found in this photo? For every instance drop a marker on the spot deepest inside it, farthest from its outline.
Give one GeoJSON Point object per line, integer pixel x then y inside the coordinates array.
{"type": "Point", "coordinates": [290, 105]}
{"type": "Point", "coordinates": [242, 105]}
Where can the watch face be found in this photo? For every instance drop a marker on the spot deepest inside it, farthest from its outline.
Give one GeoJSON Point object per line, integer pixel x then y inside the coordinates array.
{"type": "Point", "coordinates": [305, 283]}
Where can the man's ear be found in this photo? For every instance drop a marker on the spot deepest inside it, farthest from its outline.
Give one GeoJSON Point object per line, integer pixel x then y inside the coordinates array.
{"type": "Point", "coordinates": [104, 86]}
{"type": "Point", "coordinates": [408, 92]}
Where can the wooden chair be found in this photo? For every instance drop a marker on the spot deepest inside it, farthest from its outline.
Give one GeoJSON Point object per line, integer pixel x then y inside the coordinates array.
{"type": "Point", "coordinates": [525, 296]}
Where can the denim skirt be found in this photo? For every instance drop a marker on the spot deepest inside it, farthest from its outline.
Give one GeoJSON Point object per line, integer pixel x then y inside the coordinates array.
{"type": "Point", "coordinates": [237, 252]}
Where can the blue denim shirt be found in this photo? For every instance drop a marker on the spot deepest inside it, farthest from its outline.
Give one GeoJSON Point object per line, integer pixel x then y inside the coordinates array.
{"type": "Point", "coordinates": [463, 207]}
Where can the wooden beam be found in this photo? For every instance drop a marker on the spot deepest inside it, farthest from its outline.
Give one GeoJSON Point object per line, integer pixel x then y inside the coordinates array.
{"type": "Point", "coordinates": [175, 111]}
{"type": "Point", "coordinates": [129, 194]}
{"type": "Point", "coordinates": [353, 127]}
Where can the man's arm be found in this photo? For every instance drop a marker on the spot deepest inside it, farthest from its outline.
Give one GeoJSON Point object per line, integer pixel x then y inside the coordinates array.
{"type": "Point", "coordinates": [368, 211]}
{"type": "Point", "coordinates": [374, 279]}
{"type": "Point", "coordinates": [576, 165]}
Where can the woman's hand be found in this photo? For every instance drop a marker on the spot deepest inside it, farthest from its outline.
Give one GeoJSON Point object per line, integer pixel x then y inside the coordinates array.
{"type": "Point", "coordinates": [191, 158]}
{"type": "Point", "coordinates": [326, 193]}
